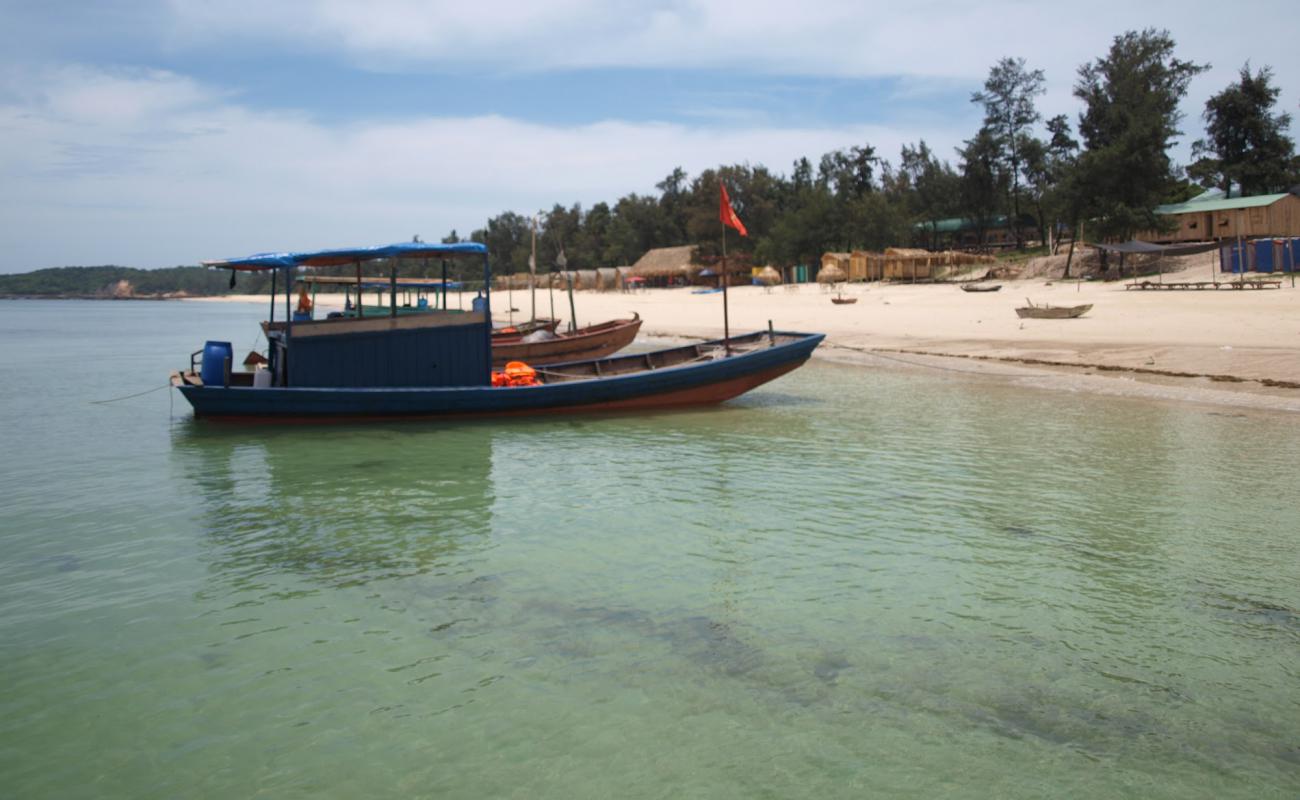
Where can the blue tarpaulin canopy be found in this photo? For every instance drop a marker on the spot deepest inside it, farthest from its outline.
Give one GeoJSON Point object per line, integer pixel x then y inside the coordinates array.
{"type": "Point", "coordinates": [347, 255]}
{"type": "Point", "coordinates": [404, 284]}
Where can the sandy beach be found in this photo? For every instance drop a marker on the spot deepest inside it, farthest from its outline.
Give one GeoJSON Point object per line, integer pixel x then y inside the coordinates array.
{"type": "Point", "coordinates": [1212, 345]}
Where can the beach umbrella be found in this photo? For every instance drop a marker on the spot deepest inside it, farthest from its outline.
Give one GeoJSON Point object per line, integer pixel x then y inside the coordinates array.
{"type": "Point", "coordinates": [831, 274]}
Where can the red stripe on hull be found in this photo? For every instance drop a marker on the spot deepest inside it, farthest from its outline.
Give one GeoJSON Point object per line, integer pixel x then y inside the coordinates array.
{"type": "Point", "coordinates": [700, 395]}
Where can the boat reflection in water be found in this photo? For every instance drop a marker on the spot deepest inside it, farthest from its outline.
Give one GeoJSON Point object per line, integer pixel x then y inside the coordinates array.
{"type": "Point", "coordinates": [344, 510]}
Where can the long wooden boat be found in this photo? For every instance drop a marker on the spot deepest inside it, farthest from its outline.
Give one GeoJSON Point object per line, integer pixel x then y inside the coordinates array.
{"type": "Point", "coordinates": [976, 287]}
{"type": "Point", "coordinates": [593, 341]}
{"type": "Point", "coordinates": [439, 365]}
{"type": "Point", "coordinates": [841, 300]}
{"type": "Point", "coordinates": [697, 374]}
{"type": "Point", "coordinates": [1032, 311]}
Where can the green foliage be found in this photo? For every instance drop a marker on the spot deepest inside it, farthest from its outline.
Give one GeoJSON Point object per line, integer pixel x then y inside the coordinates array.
{"type": "Point", "coordinates": [1008, 100]}
{"type": "Point", "coordinates": [1129, 121]}
{"type": "Point", "coordinates": [1246, 144]}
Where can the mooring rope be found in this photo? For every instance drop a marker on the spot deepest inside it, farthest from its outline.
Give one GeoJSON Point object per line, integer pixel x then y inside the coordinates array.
{"type": "Point", "coordinates": [129, 396]}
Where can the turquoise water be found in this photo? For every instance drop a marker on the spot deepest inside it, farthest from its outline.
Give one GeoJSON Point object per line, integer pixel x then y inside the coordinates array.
{"type": "Point", "coordinates": [848, 582]}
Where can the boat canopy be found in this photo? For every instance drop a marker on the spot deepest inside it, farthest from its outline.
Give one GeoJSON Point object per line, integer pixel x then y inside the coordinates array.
{"type": "Point", "coordinates": [433, 284]}
{"type": "Point", "coordinates": [347, 255]}
{"type": "Point", "coordinates": [1150, 248]}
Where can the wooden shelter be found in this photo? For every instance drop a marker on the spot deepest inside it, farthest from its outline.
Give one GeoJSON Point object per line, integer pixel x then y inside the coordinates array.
{"type": "Point", "coordinates": [1211, 216]}
{"type": "Point", "coordinates": [909, 264]}
{"type": "Point", "coordinates": [667, 266]}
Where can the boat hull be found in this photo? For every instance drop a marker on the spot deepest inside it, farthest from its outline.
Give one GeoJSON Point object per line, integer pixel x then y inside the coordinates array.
{"type": "Point", "coordinates": [702, 383]}
{"type": "Point", "coordinates": [596, 341]}
{"type": "Point", "coordinates": [1053, 312]}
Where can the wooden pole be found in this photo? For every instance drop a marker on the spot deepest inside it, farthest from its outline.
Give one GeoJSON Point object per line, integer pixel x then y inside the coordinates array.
{"type": "Point", "coordinates": [361, 304]}
{"type": "Point", "coordinates": [1241, 261]}
{"type": "Point", "coordinates": [726, 322]}
{"type": "Point", "coordinates": [532, 269]}
{"type": "Point", "coordinates": [573, 311]}
{"type": "Point", "coordinates": [550, 288]}
{"type": "Point", "coordinates": [444, 284]}
{"type": "Point", "coordinates": [392, 290]}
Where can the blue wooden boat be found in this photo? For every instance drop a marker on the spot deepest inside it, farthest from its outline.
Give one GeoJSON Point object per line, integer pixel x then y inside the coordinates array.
{"type": "Point", "coordinates": [439, 365]}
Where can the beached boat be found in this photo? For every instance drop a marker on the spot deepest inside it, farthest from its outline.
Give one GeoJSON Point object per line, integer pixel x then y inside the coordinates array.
{"type": "Point", "coordinates": [976, 287]}
{"type": "Point", "coordinates": [1032, 311]}
{"type": "Point", "coordinates": [841, 300]}
{"type": "Point", "coordinates": [593, 341]}
{"type": "Point", "coordinates": [439, 365]}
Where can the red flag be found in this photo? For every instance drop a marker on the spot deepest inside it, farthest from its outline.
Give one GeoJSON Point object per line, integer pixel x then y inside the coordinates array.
{"type": "Point", "coordinates": [728, 214]}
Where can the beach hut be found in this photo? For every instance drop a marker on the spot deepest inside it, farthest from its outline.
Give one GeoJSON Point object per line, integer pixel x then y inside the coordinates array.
{"type": "Point", "coordinates": [767, 276]}
{"type": "Point", "coordinates": [667, 266]}
{"type": "Point", "coordinates": [1212, 216]}
{"type": "Point", "coordinates": [864, 266]}
{"type": "Point", "coordinates": [586, 279]}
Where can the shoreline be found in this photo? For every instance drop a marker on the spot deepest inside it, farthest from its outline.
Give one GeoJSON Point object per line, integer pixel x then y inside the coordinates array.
{"type": "Point", "coordinates": [1238, 349]}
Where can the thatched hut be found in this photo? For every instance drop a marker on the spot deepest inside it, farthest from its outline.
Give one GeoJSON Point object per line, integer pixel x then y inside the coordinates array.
{"type": "Point", "coordinates": [831, 272]}
{"type": "Point", "coordinates": [837, 260]}
{"type": "Point", "coordinates": [586, 279]}
{"type": "Point", "coordinates": [768, 276]}
{"type": "Point", "coordinates": [667, 266]}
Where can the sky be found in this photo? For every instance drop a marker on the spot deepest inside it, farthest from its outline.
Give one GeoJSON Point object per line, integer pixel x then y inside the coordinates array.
{"type": "Point", "coordinates": [162, 132]}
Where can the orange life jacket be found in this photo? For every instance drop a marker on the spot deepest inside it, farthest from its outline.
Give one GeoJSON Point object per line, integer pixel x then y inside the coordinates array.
{"type": "Point", "coordinates": [520, 374]}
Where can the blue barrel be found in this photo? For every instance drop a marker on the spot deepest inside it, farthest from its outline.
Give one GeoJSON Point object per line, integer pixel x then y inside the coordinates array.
{"type": "Point", "coordinates": [478, 303]}
{"type": "Point", "coordinates": [213, 371]}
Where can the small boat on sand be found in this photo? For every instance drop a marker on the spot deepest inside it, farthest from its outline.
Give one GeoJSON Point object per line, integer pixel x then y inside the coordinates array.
{"type": "Point", "coordinates": [841, 300]}
{"type": "Point", "coordinates": [977, 287]}
{"type": "Point", "coordinates": [1032, 311]}
{"type": "Point", "coordinates": [439, 365]}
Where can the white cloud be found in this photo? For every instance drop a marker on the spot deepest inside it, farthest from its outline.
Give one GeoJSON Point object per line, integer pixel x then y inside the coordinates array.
{"type": "Point", "coordinates": [847, 38]}
{"type": "Point", "coordinates": [152, 169]}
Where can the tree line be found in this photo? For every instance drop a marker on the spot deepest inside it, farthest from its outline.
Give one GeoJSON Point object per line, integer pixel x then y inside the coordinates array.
{"type": "Point", "coordinates": [1111, 169]}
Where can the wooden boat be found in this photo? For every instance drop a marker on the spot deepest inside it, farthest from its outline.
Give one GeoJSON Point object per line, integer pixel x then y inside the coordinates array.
{"type": "Point", "coordinates": [1032, 311]}
{"type": "Point", "coordinates": [439, 365]}
{"type": "Point", "coordinates": [841, 300]}
{"type": "Point", "coordinates": [524, 328]}
{"type": "Point", "coordinates": [593, 341]}
{"type": "Point", "coordinates": [975, 287]}
{"type": "Point", "coordinates": [697, 374]}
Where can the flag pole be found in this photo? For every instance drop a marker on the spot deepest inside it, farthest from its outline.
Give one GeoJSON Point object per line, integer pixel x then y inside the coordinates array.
{"type": "Point", "coordinates": [726, 322]}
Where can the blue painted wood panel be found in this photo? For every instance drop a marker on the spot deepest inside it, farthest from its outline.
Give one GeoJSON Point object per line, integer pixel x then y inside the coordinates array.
{"type": "Point", "coordinates": [443, 356]}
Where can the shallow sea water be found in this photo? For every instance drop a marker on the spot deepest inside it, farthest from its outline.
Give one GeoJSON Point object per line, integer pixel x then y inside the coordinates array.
{"type": "Point", "coordinates": [850, 581]}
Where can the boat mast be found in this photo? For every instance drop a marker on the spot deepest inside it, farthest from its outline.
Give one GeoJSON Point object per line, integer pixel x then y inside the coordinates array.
{"type": "Point", "coordinates": [532, 269]}
{"type": "Point", "coordinates": [562, 262]}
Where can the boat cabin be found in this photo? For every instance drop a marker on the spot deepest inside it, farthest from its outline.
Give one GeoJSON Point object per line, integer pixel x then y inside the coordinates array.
{"type": "Point", "coordinates": [370, 347]}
